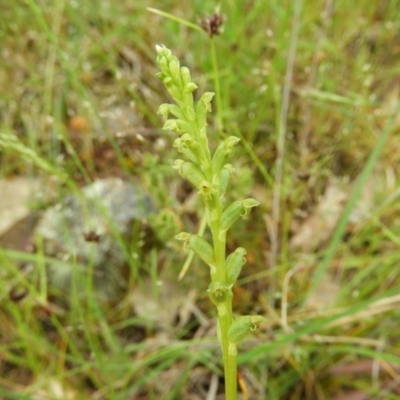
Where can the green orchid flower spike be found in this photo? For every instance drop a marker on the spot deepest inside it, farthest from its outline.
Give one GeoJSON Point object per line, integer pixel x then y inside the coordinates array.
{"type": "Point", "coordinates": [210, 175]}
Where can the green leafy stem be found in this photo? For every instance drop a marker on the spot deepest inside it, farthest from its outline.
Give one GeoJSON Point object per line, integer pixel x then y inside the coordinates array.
{"type": "Point", "coordinates": [209, 174]}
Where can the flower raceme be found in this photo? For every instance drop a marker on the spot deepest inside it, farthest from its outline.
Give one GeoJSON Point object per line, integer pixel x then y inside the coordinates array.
{"type": "Point", "coordinates": [210, 175]}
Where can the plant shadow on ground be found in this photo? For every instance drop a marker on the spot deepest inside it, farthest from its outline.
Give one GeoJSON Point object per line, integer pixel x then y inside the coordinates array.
{"type": "Point", "coordinates": [79, 96]}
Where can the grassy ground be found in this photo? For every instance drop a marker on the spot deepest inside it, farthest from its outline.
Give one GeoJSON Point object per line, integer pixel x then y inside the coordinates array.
{"type": "Point", "coordinates": [312, 89]}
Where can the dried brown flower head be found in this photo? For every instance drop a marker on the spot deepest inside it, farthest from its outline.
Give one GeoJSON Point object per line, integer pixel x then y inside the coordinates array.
{"type": "Point", "coordinates": [213, 24]}
{"type": "Point", "coordinates": [92, 236]}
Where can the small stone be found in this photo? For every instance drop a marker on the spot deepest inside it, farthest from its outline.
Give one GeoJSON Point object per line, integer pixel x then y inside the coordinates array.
{"type": "Point", "coordinates": [94, 230]}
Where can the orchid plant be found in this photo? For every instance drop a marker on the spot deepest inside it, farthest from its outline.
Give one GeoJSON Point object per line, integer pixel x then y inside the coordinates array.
{"type": "Point", "coordinates": [209, 174]}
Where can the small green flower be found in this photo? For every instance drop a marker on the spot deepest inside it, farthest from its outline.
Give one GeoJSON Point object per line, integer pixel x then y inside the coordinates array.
{"type": "Point", "coordinates": [206, 190]}
{"type": "Point", "coordinates": [242, 326]}
{"type": "Point", "coordinates": [219, 292]}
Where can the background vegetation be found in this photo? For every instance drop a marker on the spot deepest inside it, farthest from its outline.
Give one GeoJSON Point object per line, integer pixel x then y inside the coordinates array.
{"type": "Point", "coordinates": [312, 87]}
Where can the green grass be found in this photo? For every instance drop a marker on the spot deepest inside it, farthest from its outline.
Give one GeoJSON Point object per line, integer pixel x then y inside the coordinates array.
{"type": "Point", "coordinates": [63, 60]}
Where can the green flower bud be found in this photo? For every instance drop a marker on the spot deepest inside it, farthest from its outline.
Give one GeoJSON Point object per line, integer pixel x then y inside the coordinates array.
{"type": "Point", "coordinates": [187, 146]}
{"type": "Point", "coordinates": [168, 82]}
{"type": "Point", "coordinates": [219, 292]}
{"type": "Point", "coordinates": [230, 142]}
{"type": "Point", "coordinates": [190, 87]}
{"type": "Point", "coordinates": [203, 249]}
{"type": "Point", "coordinates": [183, 236]}
{"type": "Point", "coordinates": [242, 326]}
{"type": "Point", "coordinates": [191, 115]}
{"type": "Point", "coordinates": [231, 214]}
{"type": "Point", "coordinates": [183, 126]}
{"type": "Point", "coordinates": [178, 164]}
{"type": "Point", "coordinates": [170, 125]}
{"type": "Point", "coordinates": [174, 68]}
{"type": "Point", "coordinates": [175, 111]}
{"type": "Point", "coordinates": [162, 62]}
{"type": "Point", "coordinates": [205, 99]}
{"type": "Point", "coordinates": [189, 142]}
{"type": "Point", "coordinates": [223, 151]}
{"type": "Point", "coordinates": [191, 173]}
{"type": "Point", "coordinates": [161, 76]}
{"type": "Point", "coordinates": [219, 158]}
{"type": "Point", "coordinates": [185, 74]}
{"type": "Point", "coordinates": [200, 246]}
{"type": "Point", "coordinates": [248, 204]}
{"type": "Point", "coordinates": [179, 126]}
{"type": "Point", "coordinates": [233, 264]}
{"type": "Point", "coordinates": [163, 51]}
{"type": "Point", "coordinates": [236, 210]}
{"type": "Point", "coordinates": [224, 177]}
{"type": "Point", "coordinates": [163, 110]}
{"type": "Point", "coordinates": [178, 144]}
{"type": "Point", "coordinates": [202, 108]}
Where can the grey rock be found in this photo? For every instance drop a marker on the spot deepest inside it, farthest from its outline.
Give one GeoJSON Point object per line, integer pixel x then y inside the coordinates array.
{"type": "Point", "coordinates": [93, 233]}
